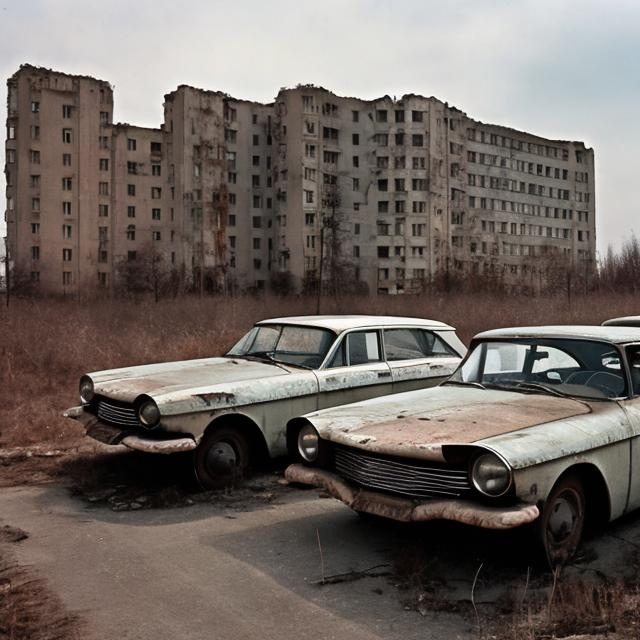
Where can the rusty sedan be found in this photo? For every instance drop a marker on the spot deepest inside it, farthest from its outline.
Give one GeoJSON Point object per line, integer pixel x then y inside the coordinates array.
{"type": "Point", "coordinates": [538, 426]}
{"type": "Point", "coordinates": [232, 410]}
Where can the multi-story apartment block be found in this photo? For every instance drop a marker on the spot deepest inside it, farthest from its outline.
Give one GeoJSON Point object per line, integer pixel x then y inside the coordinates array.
{"type": "Point", "coordinates": [229, 193]}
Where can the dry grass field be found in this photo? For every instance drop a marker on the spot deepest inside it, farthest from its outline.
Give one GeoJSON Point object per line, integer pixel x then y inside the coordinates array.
{"type": "Point", "coordinates": [45, 345]}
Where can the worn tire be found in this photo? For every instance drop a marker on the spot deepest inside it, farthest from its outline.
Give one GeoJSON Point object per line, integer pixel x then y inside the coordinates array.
{"type": "Point", "coordinates": [222, 458]}
{"type": "Point", "coordinates": [562, 520]}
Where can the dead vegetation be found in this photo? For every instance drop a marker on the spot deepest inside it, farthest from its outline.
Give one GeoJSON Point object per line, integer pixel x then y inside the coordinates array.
{"type": "Point", "coordinates": [504, 599]}
{"type": "Point", "coordinates": [45, 345]}
{"type": "Point", "coordinates": [29, 610]}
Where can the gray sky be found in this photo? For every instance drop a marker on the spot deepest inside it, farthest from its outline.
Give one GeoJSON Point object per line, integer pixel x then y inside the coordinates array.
{"type": "Point", "coordinates": [559, 68]}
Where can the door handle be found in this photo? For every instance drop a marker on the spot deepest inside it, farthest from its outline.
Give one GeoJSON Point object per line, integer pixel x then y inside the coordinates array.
{"type": "Point", "coordinates": [384, 374]}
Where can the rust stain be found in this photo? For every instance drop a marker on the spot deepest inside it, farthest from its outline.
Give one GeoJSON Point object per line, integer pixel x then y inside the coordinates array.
{"type": "Point", "coordinates": [471, 423]}
{"type": "Point", "coordinates": [215, 398]}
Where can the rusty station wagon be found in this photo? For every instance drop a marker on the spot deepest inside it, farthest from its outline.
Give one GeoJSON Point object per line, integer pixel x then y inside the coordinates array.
{"type": "Point", "coordinates": [538, 426]}
{"type": "Point", "coordinates": [234, 409]}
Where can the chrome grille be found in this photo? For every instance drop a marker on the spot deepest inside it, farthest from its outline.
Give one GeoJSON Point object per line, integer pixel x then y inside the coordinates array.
{"type": "Point", "coordinates": [124, 416]}
{"type": "Point", "coordinates": [408, 478]}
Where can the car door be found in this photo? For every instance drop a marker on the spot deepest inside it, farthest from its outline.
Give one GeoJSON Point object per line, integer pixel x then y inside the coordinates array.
{"type": "Point", "coordinates": [356, 370]}
{"type": "Point", "coordinates": [417, 358]}
{"type": "Point", "coordinates": [631, 407]}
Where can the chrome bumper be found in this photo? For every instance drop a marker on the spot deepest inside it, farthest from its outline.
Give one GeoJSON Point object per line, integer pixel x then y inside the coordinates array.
{"type": "Point", "coordinates": [407, 510]}
{"type": "Point", "coordinates": [108, 434]}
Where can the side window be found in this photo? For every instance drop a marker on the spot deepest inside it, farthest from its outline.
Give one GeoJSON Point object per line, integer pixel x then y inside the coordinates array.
{"type": "Point", "coordinates": [633, 358]}
{"type": "Point", "coordinates": [442, 349]}
{"type": "Point", "coordinates": [340, 356]}
{"type": "Point", "coordinates": [407, 344]}
{"type": "Point", "coordinates": [411, 344]}
{"type": "Point", "coordinates": [363, 347]}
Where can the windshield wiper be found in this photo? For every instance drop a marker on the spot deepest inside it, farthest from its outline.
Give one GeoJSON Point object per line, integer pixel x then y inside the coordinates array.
{"type": "Point", "coordinates": [536, 386]}
{"type": "Point", "coordinates": [465, 383]}
{"type": "Point", "coordinates": [266, 355]}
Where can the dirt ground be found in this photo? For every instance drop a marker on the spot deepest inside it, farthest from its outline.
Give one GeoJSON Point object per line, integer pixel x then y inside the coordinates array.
{"type": "Point", "coordinates": [425, 577]}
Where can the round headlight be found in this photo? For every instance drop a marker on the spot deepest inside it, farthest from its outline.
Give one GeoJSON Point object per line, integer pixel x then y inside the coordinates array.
{"type": "Point", "coordinates": [490, 475]}
{"type": "Point", "coordinates": [308, 443]}
{"type": "Point", "coordinates": [86, 390]}
{"type": "Point", "coordinates": [149, 414]}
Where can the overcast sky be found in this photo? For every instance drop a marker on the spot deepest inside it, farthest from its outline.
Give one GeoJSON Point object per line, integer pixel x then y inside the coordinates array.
{"type": "Point", "coordinates": [560, 69]}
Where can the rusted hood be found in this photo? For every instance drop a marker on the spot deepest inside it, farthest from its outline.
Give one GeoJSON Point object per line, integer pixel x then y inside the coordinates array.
{"type": "Point", "coordinates": [419, 423]}
{"type": "Point", "coordinates": [176, 378]}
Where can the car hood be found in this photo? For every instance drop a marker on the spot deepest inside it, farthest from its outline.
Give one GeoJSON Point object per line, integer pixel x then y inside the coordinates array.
{"type": "Point", "coordinates": [174, 379]}
{"type": "Point", "coordinates": [419, 423]}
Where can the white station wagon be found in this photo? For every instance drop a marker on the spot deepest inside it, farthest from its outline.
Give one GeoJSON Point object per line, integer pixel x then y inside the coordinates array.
{"type": "Point", "coordinates": [235, 409]}
{"type": "Point", "coordinates": [538, 426]}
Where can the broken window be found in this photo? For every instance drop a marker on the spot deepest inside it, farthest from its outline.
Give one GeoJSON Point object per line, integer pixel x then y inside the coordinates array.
{"type": "Point", "coordinates": [35, 107]}
{"type": "Point", "coordinates": [67, 184]}
{"type": "Point", "coordinates": [417, 140]}
{"type": "Point", "coordinates": [132, 168]}
{"type": "Point", "coordinates": [131, 232]}
{"type": "Point", "coordinates": [399, 115]}
{"type": "Point", "coordinates": [67, 277]}
{"type": "Point", "coordinates": [381, 115]}
{"type": "Point", "coordinates": [156, 147]}
{"type": "Point", "coordinates": [104, 117]}
{"type": "Point", "coordinates": [66, 231]}
{"type": "Point", "coordinates": [355, 138]}
{"type": "Point", "coordinates": [104, 164]}
{"type": "Point", "coordinates": [103, 210]}
{"type": "Point", "coordinates": [155, 214]}
{"type": "Point", "coordinates": [156, 193]}
{"type": "Point", "coordinates": [66, 136]}
{"type": "Point", "coordinates": [131, 144]}
{"type": "Point", "coordinates": [34, 156]}
{"type": "Point", "coordinates": [35, 228]}
{"type": "Point", "coordinates": [66, 208]}
{"type": "Point", "coordinates": [35, 253]}
{"type": "Point", "coordinates": [417, 116]}
{"type": "Point", "coordinates": [156, 235]}
{"type": "Point", "coordinates": [35, 132]}
{"type": "Point", "coordinates": [67, 109]}
{"type": "Point", "coordinates": [66, 255]}
{"type": "Point", "coordinates": [103, 188]}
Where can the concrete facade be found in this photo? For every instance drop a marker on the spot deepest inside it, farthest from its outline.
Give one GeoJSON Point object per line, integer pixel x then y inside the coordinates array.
{"type": "Point", "coordinates": [231, 194]}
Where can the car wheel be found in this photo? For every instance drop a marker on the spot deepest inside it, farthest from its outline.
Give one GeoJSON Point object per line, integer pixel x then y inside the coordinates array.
{"type": "Point", "coordinates": [221, 458]}
{"type": "Point", "coordinates": [562, 521]}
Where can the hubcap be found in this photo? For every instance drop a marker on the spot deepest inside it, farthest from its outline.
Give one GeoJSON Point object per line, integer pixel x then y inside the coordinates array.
{"type": "Point", "coordinates": [563, 518]}
{"type": "Point", "coordinates": [221, 459]}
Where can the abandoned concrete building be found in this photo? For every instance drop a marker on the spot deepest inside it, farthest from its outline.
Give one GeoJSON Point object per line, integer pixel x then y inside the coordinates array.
{"type": "Point", "coordinates": [229, 193]}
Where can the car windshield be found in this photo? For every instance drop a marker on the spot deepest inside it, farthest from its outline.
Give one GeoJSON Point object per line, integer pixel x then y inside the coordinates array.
{"type": "Point", "coordinates": [289, 344]}
{"type": "Point", "coordinates": [579, 368]}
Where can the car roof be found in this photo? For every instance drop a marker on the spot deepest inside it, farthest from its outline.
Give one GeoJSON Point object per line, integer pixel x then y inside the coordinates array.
{"type": "Point", "coordinates": [626, 321]}
{"type": "Point", "coordinates": [613, 334]}
{"type": "Point", "coordinates": [339, 323]}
